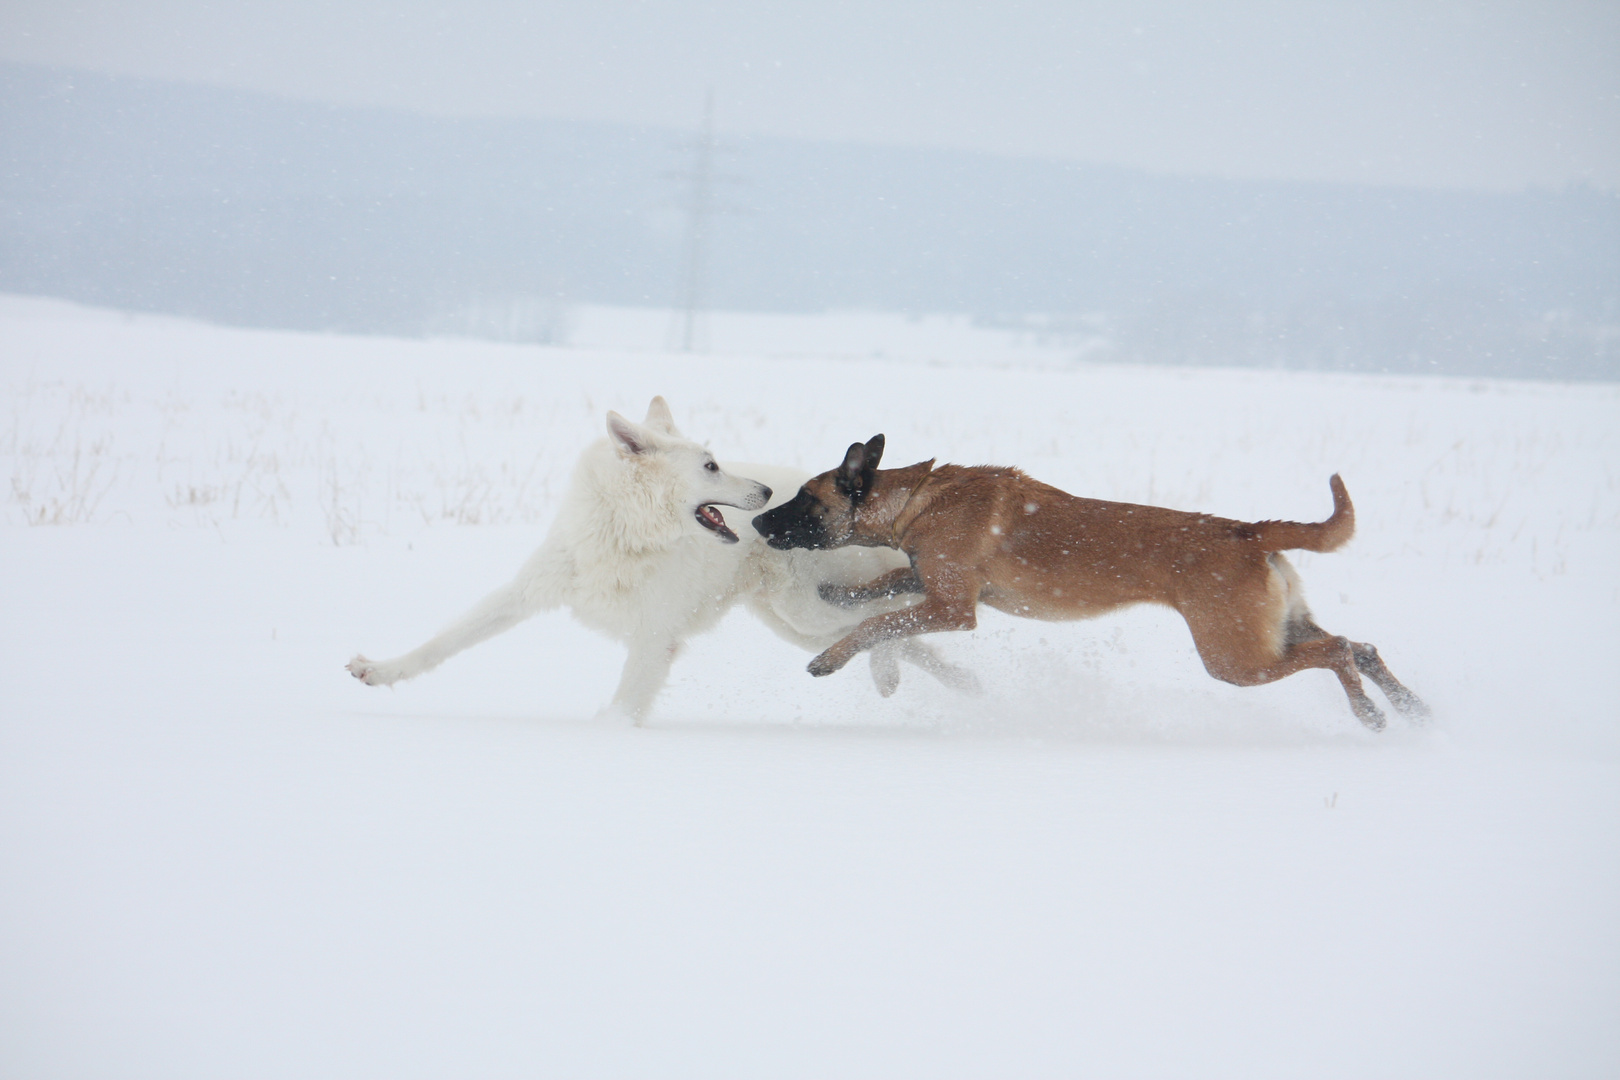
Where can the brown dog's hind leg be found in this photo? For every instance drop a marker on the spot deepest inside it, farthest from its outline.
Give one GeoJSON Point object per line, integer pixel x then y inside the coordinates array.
{"type": "Point", "coordinates": [1335, 654]}
{"type": "Point", "coordinates": [1234, 655]}
{"type": "Point", "coordinates": [1371, 665]}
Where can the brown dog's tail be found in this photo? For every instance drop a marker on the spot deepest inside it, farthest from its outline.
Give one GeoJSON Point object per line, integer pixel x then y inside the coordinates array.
{"type": "Point", "coordinates": [1328, 535]}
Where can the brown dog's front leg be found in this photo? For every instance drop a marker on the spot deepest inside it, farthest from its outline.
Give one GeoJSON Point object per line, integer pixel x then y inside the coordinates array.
{"type": "Point", "coordinates": [932, 615]}
{"type": "Point", "coordinates": [897, 582]}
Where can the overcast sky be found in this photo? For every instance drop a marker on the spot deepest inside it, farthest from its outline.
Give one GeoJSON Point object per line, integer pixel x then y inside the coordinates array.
{"type": "Point", "coordinates": [1476, 95]}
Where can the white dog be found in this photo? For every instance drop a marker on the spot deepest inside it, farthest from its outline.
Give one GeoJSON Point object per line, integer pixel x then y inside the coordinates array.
{"type": "Point", "coordinates": [640, 552]}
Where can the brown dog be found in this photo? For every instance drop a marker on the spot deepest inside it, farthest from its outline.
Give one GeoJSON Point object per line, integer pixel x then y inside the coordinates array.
{"type": "Point", "coordinates": [996, 536]}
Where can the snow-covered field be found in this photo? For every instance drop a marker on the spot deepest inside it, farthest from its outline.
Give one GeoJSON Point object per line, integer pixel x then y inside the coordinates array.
{"type": "Point", "coordinates": [222, 856]}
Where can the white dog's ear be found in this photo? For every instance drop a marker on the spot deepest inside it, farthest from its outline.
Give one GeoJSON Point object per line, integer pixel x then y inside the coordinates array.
{"type": "Point", "coordinates": [630, 438]}
{"type": "Point", "coordinates": [659, 416]}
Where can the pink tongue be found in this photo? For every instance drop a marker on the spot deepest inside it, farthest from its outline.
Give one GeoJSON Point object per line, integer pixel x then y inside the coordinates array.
{"type": "Point", "coordinates": [713, 515]}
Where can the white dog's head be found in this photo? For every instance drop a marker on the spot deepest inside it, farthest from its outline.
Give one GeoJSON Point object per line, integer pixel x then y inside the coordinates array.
{"type": "Point", "coordinates": [683, 470]}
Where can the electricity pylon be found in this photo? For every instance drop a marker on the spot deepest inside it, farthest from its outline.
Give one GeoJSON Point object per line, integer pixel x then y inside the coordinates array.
{"type": "Point", "coordinates": [688, 331]}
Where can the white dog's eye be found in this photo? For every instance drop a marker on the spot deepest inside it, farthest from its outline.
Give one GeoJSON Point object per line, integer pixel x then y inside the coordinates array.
{"type": "Point", "coordinates": [711, 466]}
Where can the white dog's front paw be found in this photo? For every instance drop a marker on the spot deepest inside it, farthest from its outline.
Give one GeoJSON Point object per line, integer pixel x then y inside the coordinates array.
{"type": "Point", "coordinates": [960, 678]}
{"type": "Point", "coordinates": [372, 672]}
{"type": "Point", "coordinates": [885, 670]}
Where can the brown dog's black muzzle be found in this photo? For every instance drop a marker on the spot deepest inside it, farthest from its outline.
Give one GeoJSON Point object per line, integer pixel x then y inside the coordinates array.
{"type": "Point", "coordinates": [792, 525]}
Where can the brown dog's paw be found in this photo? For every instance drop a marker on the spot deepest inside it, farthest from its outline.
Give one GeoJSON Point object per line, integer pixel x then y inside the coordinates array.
{"type": "Point", "coordinates": [838, 595]}
{"type": "Point", "coordinates": [1410, 705]}
{"type": "Point", "coordinates": [825, 664]}
{"type": "Point", "coordinates": [1368, 713]}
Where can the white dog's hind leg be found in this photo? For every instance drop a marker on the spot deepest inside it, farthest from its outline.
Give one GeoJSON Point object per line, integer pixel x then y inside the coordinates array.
{"type": "Point", "coordinates": [646, 670]}
{"type": "Point", "coordinates": [885, 668]}
{"type": "Point", "coordinates": [494, 614]}
{"type": "Point", "coordinates": [923, 655]}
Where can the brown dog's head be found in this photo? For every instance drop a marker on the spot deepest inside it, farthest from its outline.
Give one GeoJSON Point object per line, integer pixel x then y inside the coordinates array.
{"type": "Point", "coordinates": [822, 514]}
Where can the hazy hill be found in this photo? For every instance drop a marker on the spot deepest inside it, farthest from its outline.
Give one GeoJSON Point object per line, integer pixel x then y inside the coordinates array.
{"type": "Point", "coordinates": [250, 209]}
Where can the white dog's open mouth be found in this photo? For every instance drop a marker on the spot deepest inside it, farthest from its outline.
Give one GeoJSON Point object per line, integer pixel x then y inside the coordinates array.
{"type": "Point", "coordinates": [709, 518]}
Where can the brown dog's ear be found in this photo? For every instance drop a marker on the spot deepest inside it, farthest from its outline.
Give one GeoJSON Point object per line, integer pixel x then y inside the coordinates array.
{"type": "Point", "coordinates": [874, 452]}
{"type": "Point", "coordinates": [855, 475]}
{"type": "Point", "coordinates": [848, 477]}
{"type": "Point", "coordinates": [869, 464]}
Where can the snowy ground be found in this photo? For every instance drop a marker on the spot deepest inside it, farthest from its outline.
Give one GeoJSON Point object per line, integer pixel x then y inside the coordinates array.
{"type": "Point", "coordinates": [221, 856]}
